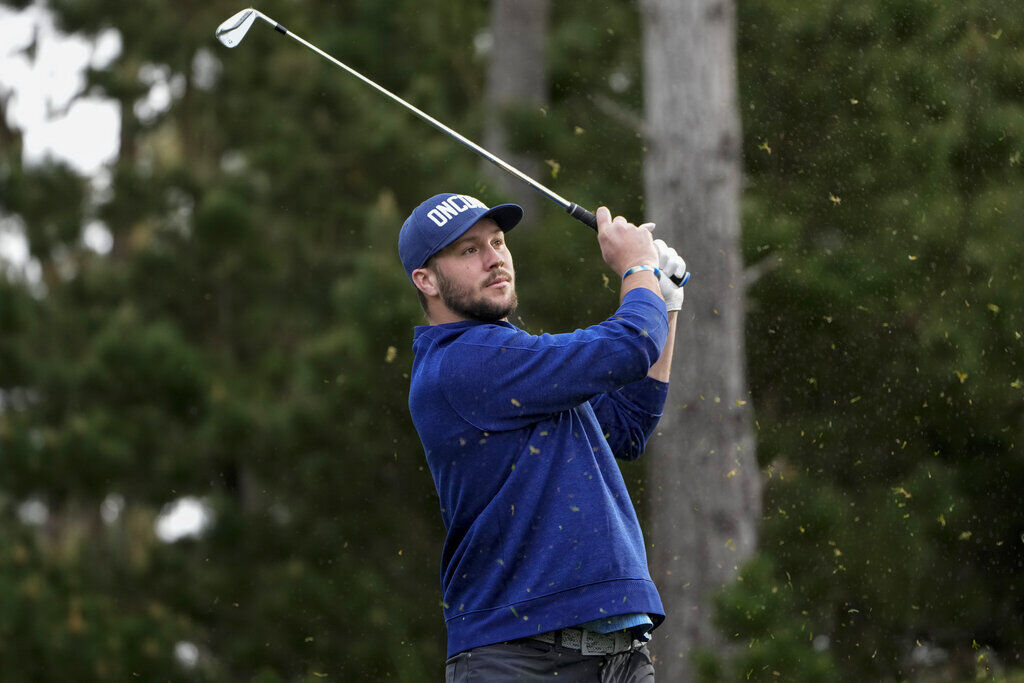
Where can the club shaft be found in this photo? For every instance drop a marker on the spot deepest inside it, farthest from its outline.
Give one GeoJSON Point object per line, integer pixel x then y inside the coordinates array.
{"type": "Point", "coordinates": [547, 192]}
{"type": "Point", "coordinates": [575, 210]}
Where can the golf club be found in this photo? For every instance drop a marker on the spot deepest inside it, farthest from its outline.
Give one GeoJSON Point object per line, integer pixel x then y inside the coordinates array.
{"type": "Point", "coordinates": [232, 31]}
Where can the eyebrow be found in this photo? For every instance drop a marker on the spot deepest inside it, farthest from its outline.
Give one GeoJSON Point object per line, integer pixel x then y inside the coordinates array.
{"type": "Point", "coordinates": [464, 240]}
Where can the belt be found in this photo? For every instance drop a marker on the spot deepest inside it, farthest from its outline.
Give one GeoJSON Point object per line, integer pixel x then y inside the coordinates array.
{"type": "Point", "coordinates": [590, 643]}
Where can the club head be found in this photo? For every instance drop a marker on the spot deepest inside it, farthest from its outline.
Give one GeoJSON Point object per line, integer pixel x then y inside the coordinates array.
{"type": "Point", "coordinates": [232, 31]}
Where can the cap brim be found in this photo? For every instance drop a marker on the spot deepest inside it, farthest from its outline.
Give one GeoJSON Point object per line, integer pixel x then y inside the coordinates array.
{"type": "Point", "coordinates": [507, 216]}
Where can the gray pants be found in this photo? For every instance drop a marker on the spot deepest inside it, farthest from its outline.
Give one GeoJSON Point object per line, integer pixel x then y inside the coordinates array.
{"type": "Point", "coordinates": [532, 660]}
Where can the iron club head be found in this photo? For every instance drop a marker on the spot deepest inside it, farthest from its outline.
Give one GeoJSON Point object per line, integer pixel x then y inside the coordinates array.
{"type": "Point", "coordinates": [232, 31]}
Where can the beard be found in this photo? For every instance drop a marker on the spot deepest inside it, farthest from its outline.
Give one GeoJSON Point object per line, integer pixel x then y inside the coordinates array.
{"type": "Point", "coordinates": [462, 301]}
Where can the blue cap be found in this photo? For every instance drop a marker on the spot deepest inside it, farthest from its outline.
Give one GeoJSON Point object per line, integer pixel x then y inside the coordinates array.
{"type": "Point", "coordinates": [441, 220]}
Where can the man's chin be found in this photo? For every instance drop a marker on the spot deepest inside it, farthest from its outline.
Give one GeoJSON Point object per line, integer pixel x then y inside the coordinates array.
{"type": "Point", "coordinates": [484, 305]}
{"type": "Point", "coordinates": [485, 311]}
{"type": "Point", "coordinates": [493, 314]}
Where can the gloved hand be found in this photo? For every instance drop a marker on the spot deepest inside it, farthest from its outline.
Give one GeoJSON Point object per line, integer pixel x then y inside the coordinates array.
{"type": "Point", "coordinates": [671, 265]}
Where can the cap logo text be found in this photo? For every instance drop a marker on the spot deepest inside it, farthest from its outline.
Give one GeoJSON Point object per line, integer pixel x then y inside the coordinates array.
{"type": "Point", "coordinates": [452, 207]}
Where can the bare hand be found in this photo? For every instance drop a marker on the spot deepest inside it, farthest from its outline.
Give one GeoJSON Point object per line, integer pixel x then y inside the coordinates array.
{"type": "Point", "coordinates": [623, 244]}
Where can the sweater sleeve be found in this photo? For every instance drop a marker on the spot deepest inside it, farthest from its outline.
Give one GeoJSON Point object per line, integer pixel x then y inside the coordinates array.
{"type": "Point", "coordinates": [628, 416]}
{"type": "Point", "coordinates": [501, 378]}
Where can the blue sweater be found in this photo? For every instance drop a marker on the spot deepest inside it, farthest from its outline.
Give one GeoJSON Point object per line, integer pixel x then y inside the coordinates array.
{"type": "Point", "coordinates": [520, 433]}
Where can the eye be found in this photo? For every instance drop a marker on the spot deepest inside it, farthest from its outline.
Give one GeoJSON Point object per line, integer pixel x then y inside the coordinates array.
{"type": "Point", "coordinates": [469, 250]}
{"type": "Point", "coordinates": [498, 242]}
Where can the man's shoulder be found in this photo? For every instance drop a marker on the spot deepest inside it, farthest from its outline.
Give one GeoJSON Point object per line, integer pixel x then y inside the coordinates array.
{"type": "Point", "coordinates": [443, 354]}
{"type": "Point", "coordinates": [455, 361]}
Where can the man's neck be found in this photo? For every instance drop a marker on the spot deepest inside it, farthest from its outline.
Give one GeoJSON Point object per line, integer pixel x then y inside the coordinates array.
{"type": "Point", "coordinates": [450, 316]}
{"type": "Point", "coordinates": [446, 316]}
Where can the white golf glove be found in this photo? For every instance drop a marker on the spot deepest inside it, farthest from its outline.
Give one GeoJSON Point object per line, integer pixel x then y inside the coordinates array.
{"type": "Point", "coordinates": [671, 265]}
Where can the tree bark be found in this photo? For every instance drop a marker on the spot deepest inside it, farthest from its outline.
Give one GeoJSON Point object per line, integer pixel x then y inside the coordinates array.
{"type": "Point", "coordinates": [703, 499]}
{"type": "Point", "coordinates": [516, 79]}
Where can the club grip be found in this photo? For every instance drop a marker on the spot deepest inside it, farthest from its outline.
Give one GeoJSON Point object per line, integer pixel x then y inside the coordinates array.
{"type": "Point", "coordinates": [588, 219]}
{"type": "Point", "coordinates": [582, 215]}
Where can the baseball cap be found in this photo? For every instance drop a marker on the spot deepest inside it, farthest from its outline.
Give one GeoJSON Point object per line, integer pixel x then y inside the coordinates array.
{"type": "Point", "coordinates": [441, 220]}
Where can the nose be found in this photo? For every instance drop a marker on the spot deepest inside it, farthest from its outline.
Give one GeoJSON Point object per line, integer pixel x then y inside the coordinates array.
{"type": "Point", "coordinates": [495, 259]}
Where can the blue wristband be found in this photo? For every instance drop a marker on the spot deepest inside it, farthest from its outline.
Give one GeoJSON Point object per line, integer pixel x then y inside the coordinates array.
{"type": "Point", "coordinates": [637, 269]}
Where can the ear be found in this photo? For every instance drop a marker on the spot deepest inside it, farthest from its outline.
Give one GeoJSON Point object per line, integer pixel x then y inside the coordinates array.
{"type": "Point", "coordinates": [426, 281]}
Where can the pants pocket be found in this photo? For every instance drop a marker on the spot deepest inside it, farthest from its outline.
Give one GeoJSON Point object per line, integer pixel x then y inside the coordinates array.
{"type": "Point", "coordinates": [455, 668]}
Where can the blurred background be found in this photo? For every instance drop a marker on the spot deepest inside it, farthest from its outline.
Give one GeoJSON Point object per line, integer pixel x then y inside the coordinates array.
{"type": "Point", "coordinates": [207, 468]}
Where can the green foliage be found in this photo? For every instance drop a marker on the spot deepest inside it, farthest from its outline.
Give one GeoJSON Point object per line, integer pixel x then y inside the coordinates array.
{"type": "Point", "coordinates": [63, 614]}
{"type": "Point", "coordinates": [247, 339]}
{"type": "Point", "coordinates": [770, 645]}
{"type": "Point", "coordinates": [883, 150]}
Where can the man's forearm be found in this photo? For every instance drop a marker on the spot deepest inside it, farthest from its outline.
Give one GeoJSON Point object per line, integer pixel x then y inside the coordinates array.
{"type": "Point", "coordinates": [644, 279]}
{"type": "Point", "coordinates": [661, 370]}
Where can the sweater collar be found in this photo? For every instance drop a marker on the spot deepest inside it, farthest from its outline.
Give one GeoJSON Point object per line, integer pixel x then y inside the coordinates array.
{"type": "Point", "coordinates": [446, 329]}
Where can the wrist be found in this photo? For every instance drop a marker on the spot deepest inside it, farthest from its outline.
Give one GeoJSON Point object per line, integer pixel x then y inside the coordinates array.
{"type": "Point", "coordinates": [641, 268]}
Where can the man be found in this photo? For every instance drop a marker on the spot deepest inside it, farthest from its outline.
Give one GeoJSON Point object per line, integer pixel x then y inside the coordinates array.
{"type": "Point", "coordinates": [544, 572]}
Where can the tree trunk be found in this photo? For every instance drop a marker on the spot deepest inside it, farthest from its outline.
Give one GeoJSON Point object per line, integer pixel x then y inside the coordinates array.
{"type": "Point", "coordinates": [704, 496]}
{"type": "Point", "coordinates": [516, 79]}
